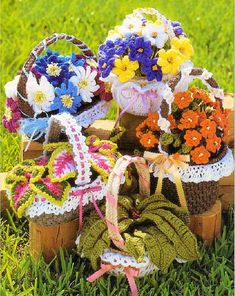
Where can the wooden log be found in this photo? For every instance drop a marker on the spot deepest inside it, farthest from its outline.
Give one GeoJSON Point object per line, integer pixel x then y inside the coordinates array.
{"type": "Point", "coordinates": [4, 202]}
{"type": "Point", "coordinates": [49, 240]}
{"type": "Point", "coordinates": [226, 194]}
{"type": "Point", "coordinates": [208, 224]}
{"type": "Point", "coordinates": [101, 128]}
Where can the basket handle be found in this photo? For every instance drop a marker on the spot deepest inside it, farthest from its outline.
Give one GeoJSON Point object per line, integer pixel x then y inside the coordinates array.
{"type": "Point", "coordinates": [21, 87]}
{"type": "Point", "coordinates": [114, 183]}
{"type": "Point", "coordinates": [76, 139]}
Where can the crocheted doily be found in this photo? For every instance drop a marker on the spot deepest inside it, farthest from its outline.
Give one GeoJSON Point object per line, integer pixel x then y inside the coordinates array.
{"type": "Point", "coordinates": [43, 206]}
{"type": "Point", "coordinates": [209, 172]}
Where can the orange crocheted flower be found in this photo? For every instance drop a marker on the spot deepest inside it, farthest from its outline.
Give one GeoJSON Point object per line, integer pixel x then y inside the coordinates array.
{"type": "Point", "coordinates": [213, 144]}
{"type": "Point", "coordinates": [208, 129]}
{"type": "Point", "coordinates": [192, 138]}
{"type": "Point", "coordinates": [148, 140]}
{"type": "Point", "coordinates": [201, 116]}
{"type": "Point", "coordinates": [152, 120]}
{"type": "Point", "coordinates": [200, 94]}
{"type": "Point", "coordinates": [189, 120]}
{"type": "Point", "coordinates": [140, 128]}
{"type": "Point", "coordinates": [200, 155]}
{"type": "Point", "coordinates": [183, 99]}
{"type": "Point", "coordinates": [220, 117]}
{"type": "Point", "coordinates": [172, 121]}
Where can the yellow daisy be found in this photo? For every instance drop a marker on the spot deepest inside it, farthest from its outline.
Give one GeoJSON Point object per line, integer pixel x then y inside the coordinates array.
{"type": "Point", "coordinates": [125, 69]}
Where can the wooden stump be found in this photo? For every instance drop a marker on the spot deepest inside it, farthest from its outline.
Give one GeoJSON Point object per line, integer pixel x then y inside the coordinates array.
{"type": "Point", "coordinates": [208, 224]}
{"type": "Point", "coordinates": [49, 240]}
{"type": "Point", "coordinates": [4, 202]}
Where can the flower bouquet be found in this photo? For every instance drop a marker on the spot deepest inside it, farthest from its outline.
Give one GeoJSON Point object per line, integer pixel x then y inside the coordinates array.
{"type": "Point", "coordinates": [53, 84]}
{"type": "Point", "coordinates": [140, 233]}
{"type": "Point", "coordinates": [197, 126]}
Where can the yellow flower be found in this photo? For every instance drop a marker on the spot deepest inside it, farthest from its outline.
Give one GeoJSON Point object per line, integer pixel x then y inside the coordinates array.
{"type": "Point", "coordinates": [125, 69]}
{"type": "Point", "coordinates": [184, 46]}
{"type": "Point", "coordinates": [169, 61]}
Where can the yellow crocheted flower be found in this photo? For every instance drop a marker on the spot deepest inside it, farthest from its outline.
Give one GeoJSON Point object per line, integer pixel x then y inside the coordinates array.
{"type": "Point", "coordinates": [125, 69]}
{"type": "Point", "coordinates": [170, 61]}
{"type": "Point", "coordinates": [184, 46]}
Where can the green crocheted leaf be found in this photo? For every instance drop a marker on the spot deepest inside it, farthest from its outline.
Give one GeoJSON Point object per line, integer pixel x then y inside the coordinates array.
{"type": "Point", "coordinates": [135, 247]}
{"type": "Point", "coordinates": [166, 139]}
{"type": "Point", "coordinates": [148, 201]}
{"type": "Point", "coordinates": [125, 201]}
{"type": "Point", "coordinates": [124, 224]}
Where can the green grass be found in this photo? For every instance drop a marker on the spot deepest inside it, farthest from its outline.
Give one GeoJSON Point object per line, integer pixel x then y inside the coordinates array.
{"type": "Point", "coordinates": [66, 275]}
{"type": "Point", "coordinates": [208, 23]}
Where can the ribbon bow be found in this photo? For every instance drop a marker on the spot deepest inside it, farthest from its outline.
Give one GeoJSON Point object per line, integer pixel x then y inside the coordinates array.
{"type": "Point", "coordinates": [130, 273]}
{"type": "Point", "coordinates": [169, 164]}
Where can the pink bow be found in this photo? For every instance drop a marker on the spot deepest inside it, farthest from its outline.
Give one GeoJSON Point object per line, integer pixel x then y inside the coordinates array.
{"type": "Point", "coordinates": [81, 192]}
{"type": "Point", "coordinates": [130, 273]}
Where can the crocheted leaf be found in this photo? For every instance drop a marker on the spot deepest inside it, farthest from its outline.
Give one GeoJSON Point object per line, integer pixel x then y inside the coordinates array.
{"type": "Point", "coordinates": [124, 224]}
{"type": "Point", "coordinates": [125, 202]}
{"type": "Point", "coordinates": [62, 165]}
{"type": "Point", "coordinates": [152, 199]}
{"type": "Point", "coordinates": [55, 192]}
{"type": "Point", "coordinates": [102, 164]}
{"type": "Point", "coordinates": [135, 246]}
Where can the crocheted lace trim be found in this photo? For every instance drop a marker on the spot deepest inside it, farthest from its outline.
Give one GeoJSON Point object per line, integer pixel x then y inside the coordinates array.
{"type": "Point", "coordinates": [42, 206]}
{"type": "Point", "coordinates": [77, 140]}
{"type": "Point", "coordinates": [209, 172]}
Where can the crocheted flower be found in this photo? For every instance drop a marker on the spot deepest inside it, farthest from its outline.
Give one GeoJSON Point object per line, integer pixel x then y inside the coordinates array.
{"type": "Point", "coordinates": [105, 66]}
{"type": "Point", "coordinates": [85, 82]}
{"type": "Point", "coordinates": [213, 144]}
{"type": "Point", "coordinates": [184, 46]}
{"type": "Point", "coordinates": [77, 60]}
{"type": "Point", "coordinates": [40, 96]}
{"type": "Point", "coordinates": [125, 69]}
{"type": "Point", "coordinates": [200, 155]}
{"type": "Point", "coordinates": [164, 124]}
{"type": "Point", "coordinates": [155, 33]}
{"type": "Point", "coordinates": [189, 120]}
{"type": "Point", "coordinates": [131, 25]}
{"type": "Point", "coordinates": [193, 138]}
{"type": "Point", "coordinates": [208, 129]}
{"type": "Point", "coordinates": [172, 121]}
{"type": "Point", "coordinates": [152, 121]}
{"type": "Point", "coordinates": [66, 99]}
{"type": "Point", "coordinates": [141, 128]}
{"type": "Point", "coordinates": [110, 48]}
{"type": "Point", "coordinates": [104, 91]}
{"type": "Point", "coordinates": [219, 117]}
{"type": "Point", "coordinates": [114, 34]}
{"type": "Point", "coordinates": [10, 119]}
{"type": "Point", "coordinates": [152, 70]}
{"type": "Point", "coordinates": [200, 94]}
{"type": "Point", "coordinates": [140, 50]}
{"type": "Point", "coordinates": [170, 61]}
{"type": "Point", "coordinates": [11, 88]}
{"type": "Point", "coordinates": [54, 67]}
{"type": "Point", "coordinates": [148, 140]}
{"type": "Point", "coordinates": [183, 99]}
{"type": "Point", "coordinates": [177, 28]}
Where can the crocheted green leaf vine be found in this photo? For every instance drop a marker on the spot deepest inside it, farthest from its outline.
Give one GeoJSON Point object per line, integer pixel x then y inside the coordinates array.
{"type": "Point", "coordinates": [152, 225]}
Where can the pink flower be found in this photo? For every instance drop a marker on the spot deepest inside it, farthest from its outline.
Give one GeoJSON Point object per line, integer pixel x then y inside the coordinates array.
{"type": "Point", "coordinates": [104, 90]}
{"type": "Point", "coordinates": [10, 119]}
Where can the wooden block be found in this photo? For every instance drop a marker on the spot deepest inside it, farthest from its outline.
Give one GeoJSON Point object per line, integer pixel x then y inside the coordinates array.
{"type": "Point", "coordinates": [4, 202]}
{"type": "Point", "coordinates": [101, 128]}
{"type": "Point", "coordinates": [226, 194]}
{"type": "Point", "coordinates": [49, 240]}
{"type": "Point", "coordinates": [208, 224]}
{"type": "Point", "coordinates": [228, 103]}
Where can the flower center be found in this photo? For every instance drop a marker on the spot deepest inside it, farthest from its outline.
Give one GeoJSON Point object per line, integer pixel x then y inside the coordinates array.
{"type": "Point", "coordinates": [104, 66]}
{"type": "Point", "coordinates": [140, 50]}
{"type": "Point", "coordinates": [170, 60]}
{"type": "Point", "coordinates": [124, 67]}
{"type": "Point", "coordinates": [130, 26]}
{"type": "Point", "coordinates": [154, 68]}
{"type": "Point", "coordinates": [8, 113]}
{"type": "Point", "coordinates": [67, 101]}
{"type": "Point", "coordinates": [53, 69]}
{"type": "Point", "coordinates": [194, 138]}
{"type": "Point", "coordinates": [39, 97]}
{"type": "Point", "coordinates": [190, 120]}
{"type": "Point", "coordinates": [83, 83]}
{"type": "Point", "coordinates": [201, 155]}
{"type": "Point", "coordinates": [182, 50]}
{"type": "Point", "coordinates": [154, 34]}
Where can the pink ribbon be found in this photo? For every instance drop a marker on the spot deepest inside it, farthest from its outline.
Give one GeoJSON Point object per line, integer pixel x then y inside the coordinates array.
{"type": "Point", "coordinates": [81, 192]}
{"type": "Point", "coordinates": [130, 273]}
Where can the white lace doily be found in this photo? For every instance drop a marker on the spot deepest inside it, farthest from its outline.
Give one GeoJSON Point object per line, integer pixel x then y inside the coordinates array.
{"type": "Point", "coordinates": [209, 172]}
{"type": "Point", "coordinates": [43, 206]}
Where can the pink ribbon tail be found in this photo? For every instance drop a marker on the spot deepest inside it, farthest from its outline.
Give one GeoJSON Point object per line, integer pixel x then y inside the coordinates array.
{"type": "Point", "coordinates": [131, 273]}
{"type": "Point", "coordinates": [103, 269]}
{"type": "Point", "coordinates": [125, 110]}
{"type": "Point", "coordinates": [80, 213]}
{"type": "Point", "coordinates": [97, 208]}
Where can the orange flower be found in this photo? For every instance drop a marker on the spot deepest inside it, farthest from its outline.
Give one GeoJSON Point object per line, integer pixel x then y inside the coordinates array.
{"type": "Point", "coordinates": [213, 144]}
{"type": "Point", "coordinates": [152, 120]}
{"type": "Point", "coordinates": [220, 117]}
{"type": "Point", "coordinates": [140, 128]}
{"type": "Point", "coordinates": [200, 155]}
{"type": "Point", "coordinates": [201, 116]}
{"type": "Point", "coordinates": [208, 129]}
{"type": "Point", "coordinates": [172, 121]}
{"type": "Point", "coordinates": [225, 133]}
{"type": "Point", "coordinates": [183, 99]}
{"type": "Point", "coordinates": [200, 94]}
{"type": "Point", "coordinates": [148, 140]}
{"type": "Point", "coordinates": [189, 120]}
{"type": "Point", "coordinates": [192, 138]}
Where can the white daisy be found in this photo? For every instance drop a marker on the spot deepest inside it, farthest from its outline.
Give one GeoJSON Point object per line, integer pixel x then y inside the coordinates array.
{"type": "Point", "coordinates": [164, 124]}
{"type": "Point", "coordinates": [131, 25]}
{"type": "Point", "coordinates": [40, 96]}
{"type": "Point", "coordinates": [85, 81]}
{"type": "Point", "coordinates": [155, 34]}
{"type": "Point", "coordinates": [11, 88]}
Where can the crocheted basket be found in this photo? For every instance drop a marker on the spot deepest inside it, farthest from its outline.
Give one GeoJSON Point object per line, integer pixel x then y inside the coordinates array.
{"type": "Point", "coordinates": [117, 259]}
{"type": "Point", "coordinates": [53, 84]}
{"type": "Point", "coordinates": [67, 177]}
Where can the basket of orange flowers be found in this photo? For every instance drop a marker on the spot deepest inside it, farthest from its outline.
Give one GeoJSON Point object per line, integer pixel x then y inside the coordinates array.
{"type": "Point", "coordinates": [195, 128]}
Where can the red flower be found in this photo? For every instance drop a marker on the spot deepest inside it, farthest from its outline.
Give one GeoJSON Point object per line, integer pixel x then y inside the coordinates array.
{"type": "Point", "coordinates": [11, 117]}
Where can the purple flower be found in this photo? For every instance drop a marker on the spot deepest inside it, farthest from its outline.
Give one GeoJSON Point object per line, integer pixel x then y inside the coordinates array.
{"type": "Point", "coordinates": [140, 50]}
{"type": "Point", "coordinates": [105, 66]}
{"type": "Point", "coordinates": [177, 28]}
{"type": "Point", "coordinates": [152, 70]}
{"type": "Point", "coordinates": [110, 48]}
{"type": "Point", "coordinates": [11, 117]}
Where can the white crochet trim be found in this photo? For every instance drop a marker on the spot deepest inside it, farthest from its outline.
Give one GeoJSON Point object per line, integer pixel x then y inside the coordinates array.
{"type": "Point", "coordinates": [209, 172]}
{"type": "Point", "coordinates": [77, 140]}
{"type": "Point", "coordinates": [43, 206]}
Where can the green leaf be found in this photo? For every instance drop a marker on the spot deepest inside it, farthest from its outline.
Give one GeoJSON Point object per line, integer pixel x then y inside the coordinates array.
{"type": "Point", "coordinates": [135, 246]}
{"type": "Point", "coordinates": [166, 139]}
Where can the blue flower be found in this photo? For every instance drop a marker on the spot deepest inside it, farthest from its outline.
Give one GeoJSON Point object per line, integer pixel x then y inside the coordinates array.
{"type": "Point", "coordinates": [77, 60]}
{"type": "Point", "coordinates": [66, 99]}
{"type": "Point", "coordinates": [152, 70]}
{"type": "Point", "coordinates": [54, 67]}
{"type": "Point", "coordinates": [105, 66]}
{"type": "Point", "coordinates": [140, 50]}
{"type": "Point", "coordinates": [177, 28]}
{"type": "Point", "coordinates": [110, 48]}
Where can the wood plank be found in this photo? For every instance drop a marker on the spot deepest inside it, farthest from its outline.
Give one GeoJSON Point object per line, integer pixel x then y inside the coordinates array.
{"type": "Point", "coordinates": [226, 196]}
{"type": "Point", "coordinates": [4, 202]}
